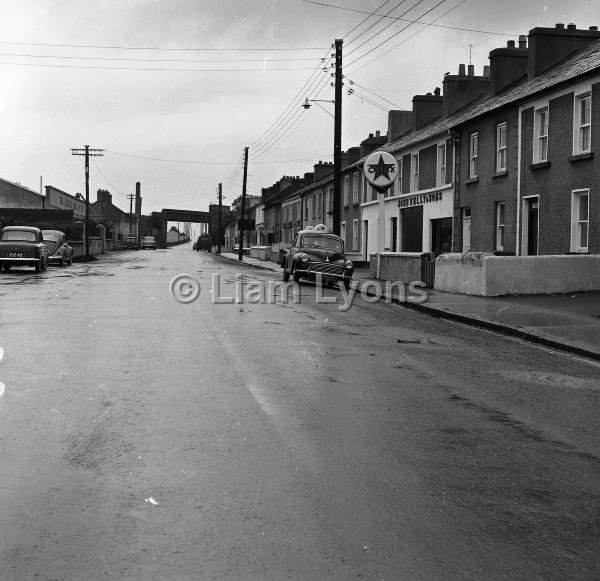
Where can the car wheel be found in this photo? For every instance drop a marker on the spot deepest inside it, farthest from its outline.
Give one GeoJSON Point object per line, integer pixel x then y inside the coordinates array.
{"type": "Point", "coordinates": [347, 283]}
{"type": "Point", "coordinates": [63, 261]}
{"type": "Point", "coordinates": [286, 276]}
{"type": "Point", "coordinates": [38, 265]}
{"type": "Point", "coordinates": [45, 265]}
{"type": "Point", "coordinates": [296, 277]}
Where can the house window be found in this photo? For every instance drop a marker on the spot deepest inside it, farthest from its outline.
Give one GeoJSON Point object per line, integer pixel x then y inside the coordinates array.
{"type": "Point", "coordinates": [500, 211]}
{"type": "Point", "coordinates": [355, 188]}
{"type": "Point", "coordinates": [582, 124]}
{"type": "Point", "coordinates": [441, 165]}
{"type": "Point", "coordinates": [306, 209]}
{"type": "Point", "coordinates": [343, 232]}
{"type": "Point", "coordinates": [319, 205]}
{"type": "Point", "coordinates": [540, 148]}
{"type": "Point", "coordinates": [500, 147]}
{"type": "Point", "coordinates": [355, 235]}
{"type": "Point", "coordinates": [314, 206]}
{"type": "Point", "coordinates": [414, 175]}
{"type": "Point", "coordinates": [580, 220]}
{"type": "Point", "coordinates": [346, 190]}
{"type": "Point", "coordinates": [398, 187]}
{"type": "Point", "coordinates": [330, 197]}
{"type": "Point", "coordinates": [473, 147]}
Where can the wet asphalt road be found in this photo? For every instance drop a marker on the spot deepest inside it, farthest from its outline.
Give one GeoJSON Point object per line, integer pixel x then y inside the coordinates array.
{"type": "Point", "coordinates": [142, 438]}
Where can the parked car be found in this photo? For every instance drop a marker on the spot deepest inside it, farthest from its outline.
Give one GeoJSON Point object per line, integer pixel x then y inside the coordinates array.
{"type": "Point", "coordinates": [317, 252]}
{"type": "Point", "coordinates": [130, 243]}
{"type": "Point", "coordinates": [23, 246]}
{"type": "Point", "coordinates": [204, 242]}
{"type": "Point", "coordinates": [59, 250]}
{"type": "Point", "coordinates": [148, 242]}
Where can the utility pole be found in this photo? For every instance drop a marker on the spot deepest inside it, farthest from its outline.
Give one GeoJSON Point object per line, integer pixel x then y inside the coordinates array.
{"type": "Point", "coordinates": [220, 212]}
{"type": "Point", "coordinates": [337, 140]}
{"type": "Point", "coordinates": [87, 152]}
{"type": "Point", "coordinates": [241, 253]}
{"type": "Point", "coordinates": [130, 197]}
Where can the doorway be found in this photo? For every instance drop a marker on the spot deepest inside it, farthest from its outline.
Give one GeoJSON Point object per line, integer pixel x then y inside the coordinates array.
{"type": "Point", "coordinates": [441, 235]}
{"type": "Point", "coordinates": [466, 229]}
{"type": "Point", "coordinates": [394, 234]}
{"type": "Point", "coordinates": [531, 223]}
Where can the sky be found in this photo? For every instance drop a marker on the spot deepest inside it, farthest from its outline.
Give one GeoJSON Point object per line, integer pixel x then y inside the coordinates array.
{"type": "Point", "coordinates": [174, 90]}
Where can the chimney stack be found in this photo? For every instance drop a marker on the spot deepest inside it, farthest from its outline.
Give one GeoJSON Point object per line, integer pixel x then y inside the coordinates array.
{"type": "Point", "coordinates": [461, 89]}
{"type": "Point", "coordinates": [508, 65]}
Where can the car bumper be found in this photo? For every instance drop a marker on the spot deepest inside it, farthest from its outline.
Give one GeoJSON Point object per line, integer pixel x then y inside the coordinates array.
{"type": "Point", "coordinates": [57, 259]}
{"type": "Point", "coordinates": [24, 260]}
{"type": "Point", "coordinates": [325, 271]}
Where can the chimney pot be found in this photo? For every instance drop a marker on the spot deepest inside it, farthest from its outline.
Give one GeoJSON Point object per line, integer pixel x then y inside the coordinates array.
{"type": "Point", "coordinates": [571, 26]}
{"type": "Point", "coordinates": [370, 135]}
{"type": "Point", "coordinates": [486, 71]}
{"type": "Point", "coordinates": [471, 70]}
{"type": "Point", "coordinates": [560, 25]}
{"type": "Point", "coordinates": [377, 133]}
{"type": "Point", "coordinates": [437, 91]}
{"type": "Point", "coordinates": [461, 70]}
{"type": "Point", "coordinates": [522, 41]}
{"type": "Point", "coordinates": [510, 44]}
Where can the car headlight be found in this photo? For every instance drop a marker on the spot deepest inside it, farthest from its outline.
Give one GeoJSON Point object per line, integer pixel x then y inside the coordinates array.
{"type": "Point", "coordinates": [349, 264]}
{"type": "Point", "coordinates": [303, 257]}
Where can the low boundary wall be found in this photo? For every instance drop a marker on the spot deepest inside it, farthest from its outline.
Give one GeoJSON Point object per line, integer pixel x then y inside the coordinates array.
{"type": "Point", "coordinates": [484, 274]}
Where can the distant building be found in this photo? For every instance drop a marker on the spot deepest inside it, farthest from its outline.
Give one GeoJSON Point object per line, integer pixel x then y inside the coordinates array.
{"type": "Point", "coordinates": [60, 200]}
{"type": "Point", "coordinates": [14, 195]}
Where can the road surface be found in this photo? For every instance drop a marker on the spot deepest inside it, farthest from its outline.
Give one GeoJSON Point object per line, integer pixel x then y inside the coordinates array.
{"type": "Point", "coordinates": [144, 438]}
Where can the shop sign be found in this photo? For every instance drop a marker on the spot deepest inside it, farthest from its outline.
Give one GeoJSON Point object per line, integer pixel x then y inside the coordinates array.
{"type": "Point", "coordinates": [381, 169]}
{"type": "Point", "coordinates": [420, 199]}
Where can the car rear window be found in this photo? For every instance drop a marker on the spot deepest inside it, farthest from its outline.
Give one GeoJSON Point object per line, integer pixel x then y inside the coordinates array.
{"type": "Point", "coordinates": [322, 242]}
{"type": "Point", "coordinates": [22, 235]}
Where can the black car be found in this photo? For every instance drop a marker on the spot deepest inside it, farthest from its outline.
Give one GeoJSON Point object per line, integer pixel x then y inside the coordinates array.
{"type": "Point", "coordinates": [316, 254]}
{"type": "Point", "coordinates": [23, 246]}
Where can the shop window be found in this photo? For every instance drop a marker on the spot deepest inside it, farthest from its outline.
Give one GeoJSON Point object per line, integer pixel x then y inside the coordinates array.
{"type": "Point", "coordinates": [540, 140]}
{"type": "Point", "coordinates": [582, 123]}
{"type": "Point", "coordinates": [500, 147]}
{"type": "Point", "coordinates": [580, 220]}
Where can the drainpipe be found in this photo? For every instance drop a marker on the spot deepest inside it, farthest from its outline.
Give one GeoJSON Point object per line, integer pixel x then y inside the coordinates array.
{"type": "Point", "coordinates": [519, 153]}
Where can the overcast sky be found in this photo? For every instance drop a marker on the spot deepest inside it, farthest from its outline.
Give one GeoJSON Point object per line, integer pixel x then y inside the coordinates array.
{"type": "Point", "coordinates": [173, 90]}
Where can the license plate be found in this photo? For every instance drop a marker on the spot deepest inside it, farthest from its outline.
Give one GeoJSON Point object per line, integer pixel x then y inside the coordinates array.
{"type": "Point", "coordinates": [15, 255]}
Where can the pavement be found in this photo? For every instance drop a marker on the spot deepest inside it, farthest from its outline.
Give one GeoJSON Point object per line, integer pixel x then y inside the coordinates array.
{"type": "Point", "coordinates": [568, 321]}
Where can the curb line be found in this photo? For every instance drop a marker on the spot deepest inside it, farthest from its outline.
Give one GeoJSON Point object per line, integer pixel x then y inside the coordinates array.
{"type": "Point", "coordinates": [500, 328]}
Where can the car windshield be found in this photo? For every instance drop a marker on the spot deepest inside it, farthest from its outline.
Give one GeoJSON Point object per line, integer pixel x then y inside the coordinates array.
{"type": "Point", "coordinates": [51, 243]}
{"type": "Point", "coordinates": [23, 235]}
{"type": "Point", "coordinates": [322, 242]}
{"type": "Point", "coordinates": [148, 239]}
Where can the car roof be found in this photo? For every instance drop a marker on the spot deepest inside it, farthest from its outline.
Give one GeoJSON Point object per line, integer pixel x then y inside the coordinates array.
{"type": "Point", "coordinates": [52, 232]}
{"type": "Point", "coordinates": [318, 233]}
{"type": "Point", "coordinates": [22, 228]}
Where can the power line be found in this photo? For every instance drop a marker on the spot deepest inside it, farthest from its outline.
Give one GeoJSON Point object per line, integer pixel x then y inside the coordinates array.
{"type": "Point", "coordinates": [375, 94]}
{"type": "Point", "coordinates": [365, 19]}
{"type": "Point", "coordinates": [156, 69]}
{"type": "Point", "coordinates": [415, 21]}
{"type": "Point", "coordinates": [395, 34]}
{"type": "Point", "coordinates": [157, 48]}
{"type": "Point", "coordinates": [409, 37]}
{"type": "Point", "coordinates": [380, 19]}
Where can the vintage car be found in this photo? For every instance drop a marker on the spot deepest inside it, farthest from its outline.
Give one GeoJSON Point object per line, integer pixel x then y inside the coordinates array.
{"type": "Point", "coordinates": [204, 242]}
{"type": "Point", "coordinates": [59, 250]}
{"type": "Point", "coordinates": [317, 254]}
{"type": "Point", "coordinates": [23, 246]}
{"type": "Point", "coordinates": [130, 243]}
{"type": "Point", "coordinates": [148, 242]}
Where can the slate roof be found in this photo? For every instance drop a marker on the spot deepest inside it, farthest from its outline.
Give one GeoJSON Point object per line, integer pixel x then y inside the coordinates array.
{"type": "Point", "coordinates": [583, 62]}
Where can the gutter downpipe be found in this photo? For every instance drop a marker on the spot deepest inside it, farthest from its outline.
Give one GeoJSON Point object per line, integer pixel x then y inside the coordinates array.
{"type": "Point", "coordinates": [519, 153]}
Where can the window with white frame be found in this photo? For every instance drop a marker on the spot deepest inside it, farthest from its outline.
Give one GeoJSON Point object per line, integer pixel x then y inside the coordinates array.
{"type": "Point", "coordinates": [500, 211]}
{"type": "Point", "coordinates": [583, 123]}
{"type": "Point", "coordinates": [355, 188]}
{"type": "Point", "coordinates": [473, 154]}
{"type": "Point", "coordinates": [500, 147]}
{"type": "Point", "coordinates": [346, 190]}
{"type": "Point", "coordinates": [414, 172]}
{"type": "Point", "coordinates": [355, 235]}
{"type": "Point", "coordinates": [540, 138]}
{"type": "Point", "coordinates": [441, 165]}
{"type": "Point", "coordinates": [398, 182]}
{"type": "Point", "coordinates": [580, 220]}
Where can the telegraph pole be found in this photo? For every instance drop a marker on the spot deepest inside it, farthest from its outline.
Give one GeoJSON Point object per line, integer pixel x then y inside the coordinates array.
{"type": "Point", "coordinates": [130, 197]}
{"type": "Point", "coordinates": [220, 212]}
{"type": "Point", "coordinates": [87, 152]}
{"type": "Point", "coordinates": [337, 140]}
{"type": "Point", "coordinates": [241, 250]}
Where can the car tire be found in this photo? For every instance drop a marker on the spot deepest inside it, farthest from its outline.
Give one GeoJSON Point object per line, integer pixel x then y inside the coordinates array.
{"type": "Point", "coordinates": [45, 265]}
{"type": "Point", "coordinates": [296, 277]}
{"type": "Point", "coordinates": [347, 284]}
{"type": "Point", "coordinates": [286, 276]}
{"type": "Point", "coordinates": [38, 265]}
{"type": "Point", "coordinates": [63, 261]}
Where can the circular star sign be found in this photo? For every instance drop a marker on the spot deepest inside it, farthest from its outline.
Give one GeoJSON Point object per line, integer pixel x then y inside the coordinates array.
{"type": "Point", "coordinates": [381, 169]}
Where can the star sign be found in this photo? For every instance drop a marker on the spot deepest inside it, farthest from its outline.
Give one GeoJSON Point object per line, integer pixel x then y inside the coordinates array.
{"type": "Point", "coordinates": [380, 169]}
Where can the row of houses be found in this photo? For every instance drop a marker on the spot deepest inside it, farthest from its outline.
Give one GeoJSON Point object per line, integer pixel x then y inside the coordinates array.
{"type": "Point", "coordinates": [505, 162]}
